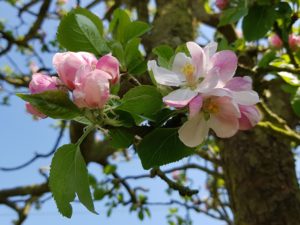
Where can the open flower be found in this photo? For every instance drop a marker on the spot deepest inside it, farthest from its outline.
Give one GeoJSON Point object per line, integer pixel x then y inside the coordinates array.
{"type": "Point", "coordinates": [200, 73]}
{"type": "Point", "coordinates": [40, 83]}
{"type": "Point", "coordinates": [220, 114]}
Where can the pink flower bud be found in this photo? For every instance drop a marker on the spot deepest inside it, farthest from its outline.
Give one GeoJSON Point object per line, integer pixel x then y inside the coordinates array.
{"type": "Point", "coordinates": [275, 41]}
{"type": "Point", "coordinates": [30, 109]}
{"type": "Point", "coordinates": [109, 64]}
{"type": "Point", "coordinates": [294, 42]}
{"type": "Point", "coordinates": [41, 82]}
{"type": "Point", "coordinates": [250, 116]}
{"type": "Point", "coordinates": [38, 84]}
{"type": "Point", "coordinates": [222, 4]}
{"type": "Point", "coordinates": [68, 63]}
{"type": "Point", "coordinates": [91, 88]}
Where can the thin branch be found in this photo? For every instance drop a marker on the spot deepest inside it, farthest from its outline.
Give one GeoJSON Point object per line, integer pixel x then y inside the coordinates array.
{"type": "Point", "coordinates": [39, 155]}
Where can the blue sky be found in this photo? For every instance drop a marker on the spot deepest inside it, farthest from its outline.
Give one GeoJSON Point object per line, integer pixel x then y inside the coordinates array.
{"type": "Point", "coordinates": [21, 137]}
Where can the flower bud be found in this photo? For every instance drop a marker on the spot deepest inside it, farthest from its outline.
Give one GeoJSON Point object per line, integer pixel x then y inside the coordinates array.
{"type": "Point", "coordinates": [294, 42]}
{"type": "Point", "coordinates": [67, 64]}
{"type": "Point", "coordinates": [110, 65]}
{"type": "Point", "coordinates": [275, 41]}
{"type": "Point", "coordinates": [250, 116]}
{"type": "Point", "coordinates": [222, 4]}
{"type": "Point", "coordinates": [91, 88]}
{"type": "Point", "coordinates": [38, 84]}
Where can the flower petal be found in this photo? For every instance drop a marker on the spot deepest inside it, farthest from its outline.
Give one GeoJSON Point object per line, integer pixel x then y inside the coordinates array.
{"type": "Point", "coordinates": [164, 76]}
{"type": "Point", "coordinates": [239, 84]}
{"type": "Point", "coordinates": [179, 98]}
{"type": "Point", "coordinates": [180, 61]}
{"type": "Point", "coordinates": [210, 49]}
{"type": "Point", "coordinates": [194, 131]}
{"type": "Point", "coordinates": [250, 116]}
{"type": "Point", "coordinates": [195, 106]}
{"type": "Point", "coordinates": [226, 63]}
{"type": "Point", "coordinates": [109, 64]}
{"type": "Point", "coordinates": [245, 97]}
{"type": "Point", "coordinates": [198, 57]}
{"type": "Point", "coordinates": [222, 126]}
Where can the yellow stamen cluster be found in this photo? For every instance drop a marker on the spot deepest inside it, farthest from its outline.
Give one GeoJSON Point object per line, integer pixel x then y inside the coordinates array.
{"type": "Point", "coordinates": [210, 107]}
{"type": "Point", "coordinates": [188, 70]}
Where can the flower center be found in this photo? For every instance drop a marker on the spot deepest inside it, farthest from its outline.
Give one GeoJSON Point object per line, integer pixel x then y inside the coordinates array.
{"type": "Point", "coordinates": [210, 107]}
{"type": "Point", "coordinates": [188, 70]}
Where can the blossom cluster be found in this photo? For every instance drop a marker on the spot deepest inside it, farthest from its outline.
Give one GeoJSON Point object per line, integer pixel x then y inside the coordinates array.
{"type": "Point", "coordinates": [87, 78]}
{"type": "Point", "coordinates": [276, 42]}
{"type": "Point", "coordinates": [205, 84]}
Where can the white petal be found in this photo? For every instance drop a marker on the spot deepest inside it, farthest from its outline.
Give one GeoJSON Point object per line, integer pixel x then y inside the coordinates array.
{"type": "Point", "coordinates": [245, 97]}
{"type": "Point", "coordinates": [194, 131]}
{"type": "Point", "coordinates": [223, 127]}
{"type": "Point", "coordinates": [210, 49]}
{"type": "Point", "coordinates": [179, 98]}
{"type": "Point", "coordinates": [164, 76]}
{"type": "Point", "coordinates": [180, 61]}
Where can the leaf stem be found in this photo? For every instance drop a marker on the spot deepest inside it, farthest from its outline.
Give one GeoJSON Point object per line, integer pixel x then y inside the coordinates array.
{"type": "Point", "coordinates": [87, 130]}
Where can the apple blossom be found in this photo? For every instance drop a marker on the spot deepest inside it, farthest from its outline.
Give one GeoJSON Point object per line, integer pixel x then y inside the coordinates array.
{"type": "Point", "coordinates": [275, 41]}
{"type": "Point", "coordinates": [68, 63]}
{"type": "Point", "coordinates": [109, 64]}
{"type": "Point", "coordinates": [221, 114]}
{"type": "Point", "coordinates": [294, 42]}
{"type": "Point", "coordinates": [91, 88]}
{"type": "Point", "coordinates": [250, 116]}
{"type": "Point", "coordinates": [200, 73]}
{"type": "Point", "coordinates": [40, 83]}
{"type": "Point", "coordinates": [222, 4]}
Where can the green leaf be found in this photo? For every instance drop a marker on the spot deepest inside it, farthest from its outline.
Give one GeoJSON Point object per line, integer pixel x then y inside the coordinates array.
{"type": "Point", "coordinates": [81, 30]}
{"type": "Point", "coordinates": [289, 78]}
{"type": "Point", "coordinates": [135, 29]}
{"type": "Point", "coordinates": [268, 57]}
{"type": "Point", "coordinates": [120, 138]}
{"type": "Point", "coordinates": [135, 62]}
{"type": "Point", "coordinates": [162, 146]}
{"type": "Point", "coordinates": [164, 53]}
{"type": "Point", "coordinates": [296, 102]}
{"type": "Point", "coordinates": [258, 22]}
{"type": "Point", "coordinates": [118, 52]}
{"type": "Point", "coordinates": [232, 15]}
{"type": "Point", "coordinates": [69, 176]}
{"type": "Point", "coordinates": [54, 103]}
{"type": "Point", "coordinates": [142, 101]}
{"type": "Point", "coordinates": [109, 169]}
{"type": "Point", "coordinates": [119, 24]}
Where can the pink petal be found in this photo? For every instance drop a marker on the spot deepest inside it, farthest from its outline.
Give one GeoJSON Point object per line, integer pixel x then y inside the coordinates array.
{"type": "Point", "coordinates": [110, 65]}
{"type": "Point", "coordinates": [245, 97]}
{"type": "Point", "coordinates": [194, 131]}
{"type": "Point", "coordinates": [41, 82]}
{"type": "Point", "coordinates": [250, 116]}
{"type": "Point", "coordinates": [239, 84]}
{"type": "Point", "coordinates": [226, 63]}
{"type": "Point", "coordinates": [179, 98]}
{"type": "Point", "coordinates": [195, 106]}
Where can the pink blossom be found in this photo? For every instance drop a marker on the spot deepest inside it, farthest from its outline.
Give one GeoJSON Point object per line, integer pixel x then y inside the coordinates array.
{"type": "Point", "coordinates": [30, 109]}
{"type": "Point", "coordinates": [109, 64]}
{"type": "Point", "coordinates": [294, 42]}
{"type": "Point", "coordinates": [220, 114]}
{"type": "Point", "coordinates": [200, 73]}
{"type": "Point", "coordinates": [250, 116]}
{"type": "Point", "coordinates": [41, 82]}
{"type": "Point", "coordinates": [275, 41]}
{"type": "Point", "coordinates": [38, 84]}
{"type": "Point", "coordinates": [67, 64]}
{"type": "Point", "coordinates": [91, 88]}
{"type": "Point", "coordinates": [222, 4]}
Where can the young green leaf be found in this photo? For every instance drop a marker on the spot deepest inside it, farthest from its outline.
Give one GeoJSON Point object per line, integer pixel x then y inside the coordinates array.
{"type": "Point", "coordinates": [118, 25]}
{"type": "Point", "coordinates": [160, 147]}
{"type": "Point", "coordinates": [232, 15]}
{"type": "Point", "coordinates": [258, 22]}
{"type": "Point", "coordinates": [142, 101]}
{"type": "Point", "coordinates": [69, 176]}
{"type": "Point", "coordinates": [81, 30]}
{"type": "Point", "coordinates": [120, 138]}
{"type": "Point", "coordinates": [164, 53]}
{"type": "Point", "coordinates": [54, 103]}
{"type": "Point", "coordinates": [135, 29]}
